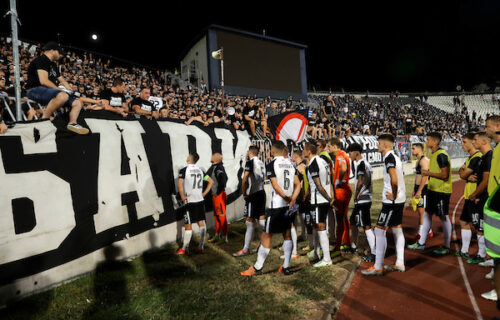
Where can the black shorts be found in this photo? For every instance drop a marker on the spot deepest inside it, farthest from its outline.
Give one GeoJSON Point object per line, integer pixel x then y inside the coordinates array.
{"type": "Point", "coordinates": [278, 220]}
{"type": "Point", "coordinates": [361, 215]}
{"type": "Point", "coordinates": [255, 205]}
{"type": "Point", "coordinates": [319, 213]}
{"type": "Point", "coordinates": [478, 214]}
{"type": "Point", "coordinates": [391, 215]}
{"type": "Point", "coordinates": [438, 203]}
{"type": "Point", "coordinates": [467, 210]}
{"type": "Point", "coordinates": [194, 212]}
{"type": "Point", "coordinates": [423, 200]}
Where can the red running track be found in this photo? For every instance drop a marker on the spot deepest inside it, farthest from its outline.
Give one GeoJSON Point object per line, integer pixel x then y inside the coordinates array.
{"type": "Point", "coordinates": [431, 288]}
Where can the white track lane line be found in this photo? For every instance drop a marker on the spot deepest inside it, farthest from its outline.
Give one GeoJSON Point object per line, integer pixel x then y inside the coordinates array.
{"type": "Point", "coordinates": [462, 268]}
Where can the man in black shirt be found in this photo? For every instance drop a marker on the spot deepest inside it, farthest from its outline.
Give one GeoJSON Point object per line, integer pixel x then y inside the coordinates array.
{"type": "Point", "coordinates": [480, 195]}
{"type": "Point", "coordinates": [327, 108]}
{"type": "Point", "coordinates": [142, 106]}
{"type": "Point", "coordinates": [43, 76]}
{"type": "Point", "coordinates": [114, 99]}
{"type": "Point", "coordinates": [251, 114]}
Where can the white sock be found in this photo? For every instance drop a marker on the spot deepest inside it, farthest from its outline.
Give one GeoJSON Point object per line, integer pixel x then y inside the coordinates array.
{"type": "Point", "coordinates": [294, 241]}
{"type": "Point", "coordinates": [261, 257]}
{"type": "Point", "coordinates": [287, 248]}
{"type": "Point", "coordinates": [370, 237]}
{"type": "Point", "coordinates": [354, 236]}
{"type": "Point", "coordinates": [420, 228]}
{"type": "Point", "coordinates": [248, 235]}
{"type": "Point", "coordinates": [187, 239]}
{"type": "Point", "coordinates": [447, 231]}
{"type": "Point", "coordinates": [399, 241]}
{"type": "Point", "coordinates": [381, 244]}
{"type": "Point", "coordinates": [482, 249]}
{"type": "Point", "coordinates": [466, 236]}
{"type": "Point", "coordinates": [203, 232]}
{"type": "Point", "coordinates": [325, 245]}
{"type": "Point", "coordinates": [425, 229]}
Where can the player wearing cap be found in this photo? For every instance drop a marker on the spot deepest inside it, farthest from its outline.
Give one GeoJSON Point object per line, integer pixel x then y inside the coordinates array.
{"type": "Point", "coordinates": [252, 188]}
{"type": "Point", "coordinates": [285, 188]}
{"type": "Point", "coordinates": [419, 194]}
{"type": "Point", "coordinates": [438, 196]}
{"type": "Point", "coordinates": [360, 217]}
{"type": "Point", "coordinates": [391, 215]}
{"type": "Point", "coordinates": [190, 187]}
{"type": "Point", "coordinates": [42, 85]}
{"type": "Point", "coordinates": [466, 172]}
{"type": "Point", "coordinates": [343, 193]}
{"type": "Point", "coordinates": [321, 191]}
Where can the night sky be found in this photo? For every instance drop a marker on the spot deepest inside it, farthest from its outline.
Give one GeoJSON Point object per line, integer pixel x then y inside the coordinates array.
{"type": "Point", "coordinates": [410, 46]}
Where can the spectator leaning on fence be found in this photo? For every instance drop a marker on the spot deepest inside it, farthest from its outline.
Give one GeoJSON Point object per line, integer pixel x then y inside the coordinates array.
{"type": "Point", "coordinates": [114, 99]}
{"type": "Point", "coordinates": [43, 76]}
{"type": "Point", "coordinates": [142, 106]}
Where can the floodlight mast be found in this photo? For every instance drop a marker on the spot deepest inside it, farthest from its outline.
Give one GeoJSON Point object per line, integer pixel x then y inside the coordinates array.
{"type": "Point", "coordinates": [14, 20]}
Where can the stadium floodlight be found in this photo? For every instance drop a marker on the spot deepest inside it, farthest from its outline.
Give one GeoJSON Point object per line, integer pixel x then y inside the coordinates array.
{"type": "Point", "coordinates": [219, 55]}
{"type": "Point", "coordinates": [94, 36]}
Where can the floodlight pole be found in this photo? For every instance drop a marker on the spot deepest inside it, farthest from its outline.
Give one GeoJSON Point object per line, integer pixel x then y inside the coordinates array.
{"type": "Point", "coordinates": [15, 54]}
{"type": "Point", "coordinates": [222, 75]}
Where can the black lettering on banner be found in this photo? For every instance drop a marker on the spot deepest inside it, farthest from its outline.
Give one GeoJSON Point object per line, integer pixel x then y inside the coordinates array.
{"type": "Point", "coordinates": [70, 169]}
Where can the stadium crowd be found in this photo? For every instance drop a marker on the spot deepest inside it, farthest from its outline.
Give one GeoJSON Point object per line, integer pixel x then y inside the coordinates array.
{"type": "Point", "coordinates": [90, 78]}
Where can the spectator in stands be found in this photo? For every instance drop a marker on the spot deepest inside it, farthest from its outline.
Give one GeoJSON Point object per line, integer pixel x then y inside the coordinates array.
{"type": "Point", "coordinates": [43, 76]}
{"type": "Point", "coordinates": [113, 99]}
{"type": "Point", "coordinates": [328, 107]}
{"type": "Point", "coordinates": [142, 106]}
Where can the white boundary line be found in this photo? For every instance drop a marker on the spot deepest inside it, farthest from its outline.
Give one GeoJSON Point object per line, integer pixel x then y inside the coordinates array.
{"type": "Point", "coordinates": [462, 269]}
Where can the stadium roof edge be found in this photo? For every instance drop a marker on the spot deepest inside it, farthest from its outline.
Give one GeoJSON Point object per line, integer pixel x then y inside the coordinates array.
{"type": "Point", "coordinates": [238, 31]}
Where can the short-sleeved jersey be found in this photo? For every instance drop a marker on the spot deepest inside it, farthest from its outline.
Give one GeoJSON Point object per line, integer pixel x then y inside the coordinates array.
{"type": "Point", "coordinates": [283, 170]}
{"type": "Point", "coordinates": [472, 163]}
{"type": "Point", "coordinates": [219, 176]}
{"type": "Point", "coordinates": [318, 168]}
{"type": "Point", "coordinates": [392, 161]}
{"type": "Point", "coordinates": [257, 171]}
{"type": "Point", "coordinates": [342, 182]}
{"type": "Point", "coordinates": [438, 161]}
{"type": "Point", "coordinates": [193, 182]}
{"type": "Point", "coordinates": [484, 166]}
{"type": "Point", "coordinates": [364, 169]}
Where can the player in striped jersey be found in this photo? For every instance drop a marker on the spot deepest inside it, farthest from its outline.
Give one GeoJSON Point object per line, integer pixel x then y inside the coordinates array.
{"type": "Point", "coordinates": [285, 190]}
{"type": "Point", "coordinates": [360, 217]}
{"type": "Point", "coordinates": [252, 188]}
{"type": "Point", "coordinates": [321, 195]}
{"type": "Point", "coordinates": [190, 187]}
{"type": "Point", "coordinates": [391, 215]}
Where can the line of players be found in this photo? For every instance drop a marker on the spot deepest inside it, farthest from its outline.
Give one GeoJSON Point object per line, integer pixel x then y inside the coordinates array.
{"type": "Point", "coordinates": [317, 187]}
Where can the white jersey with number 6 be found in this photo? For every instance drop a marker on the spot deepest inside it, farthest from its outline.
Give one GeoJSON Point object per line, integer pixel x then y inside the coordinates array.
{"type": "Point", "coordinates": [283, 170]}
{"type": "Point", "coordinates": [193, 182]}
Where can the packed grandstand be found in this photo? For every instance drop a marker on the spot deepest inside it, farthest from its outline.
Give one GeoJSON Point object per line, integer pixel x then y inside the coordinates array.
{"type": "Point", "coordinates": [342, 115]}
